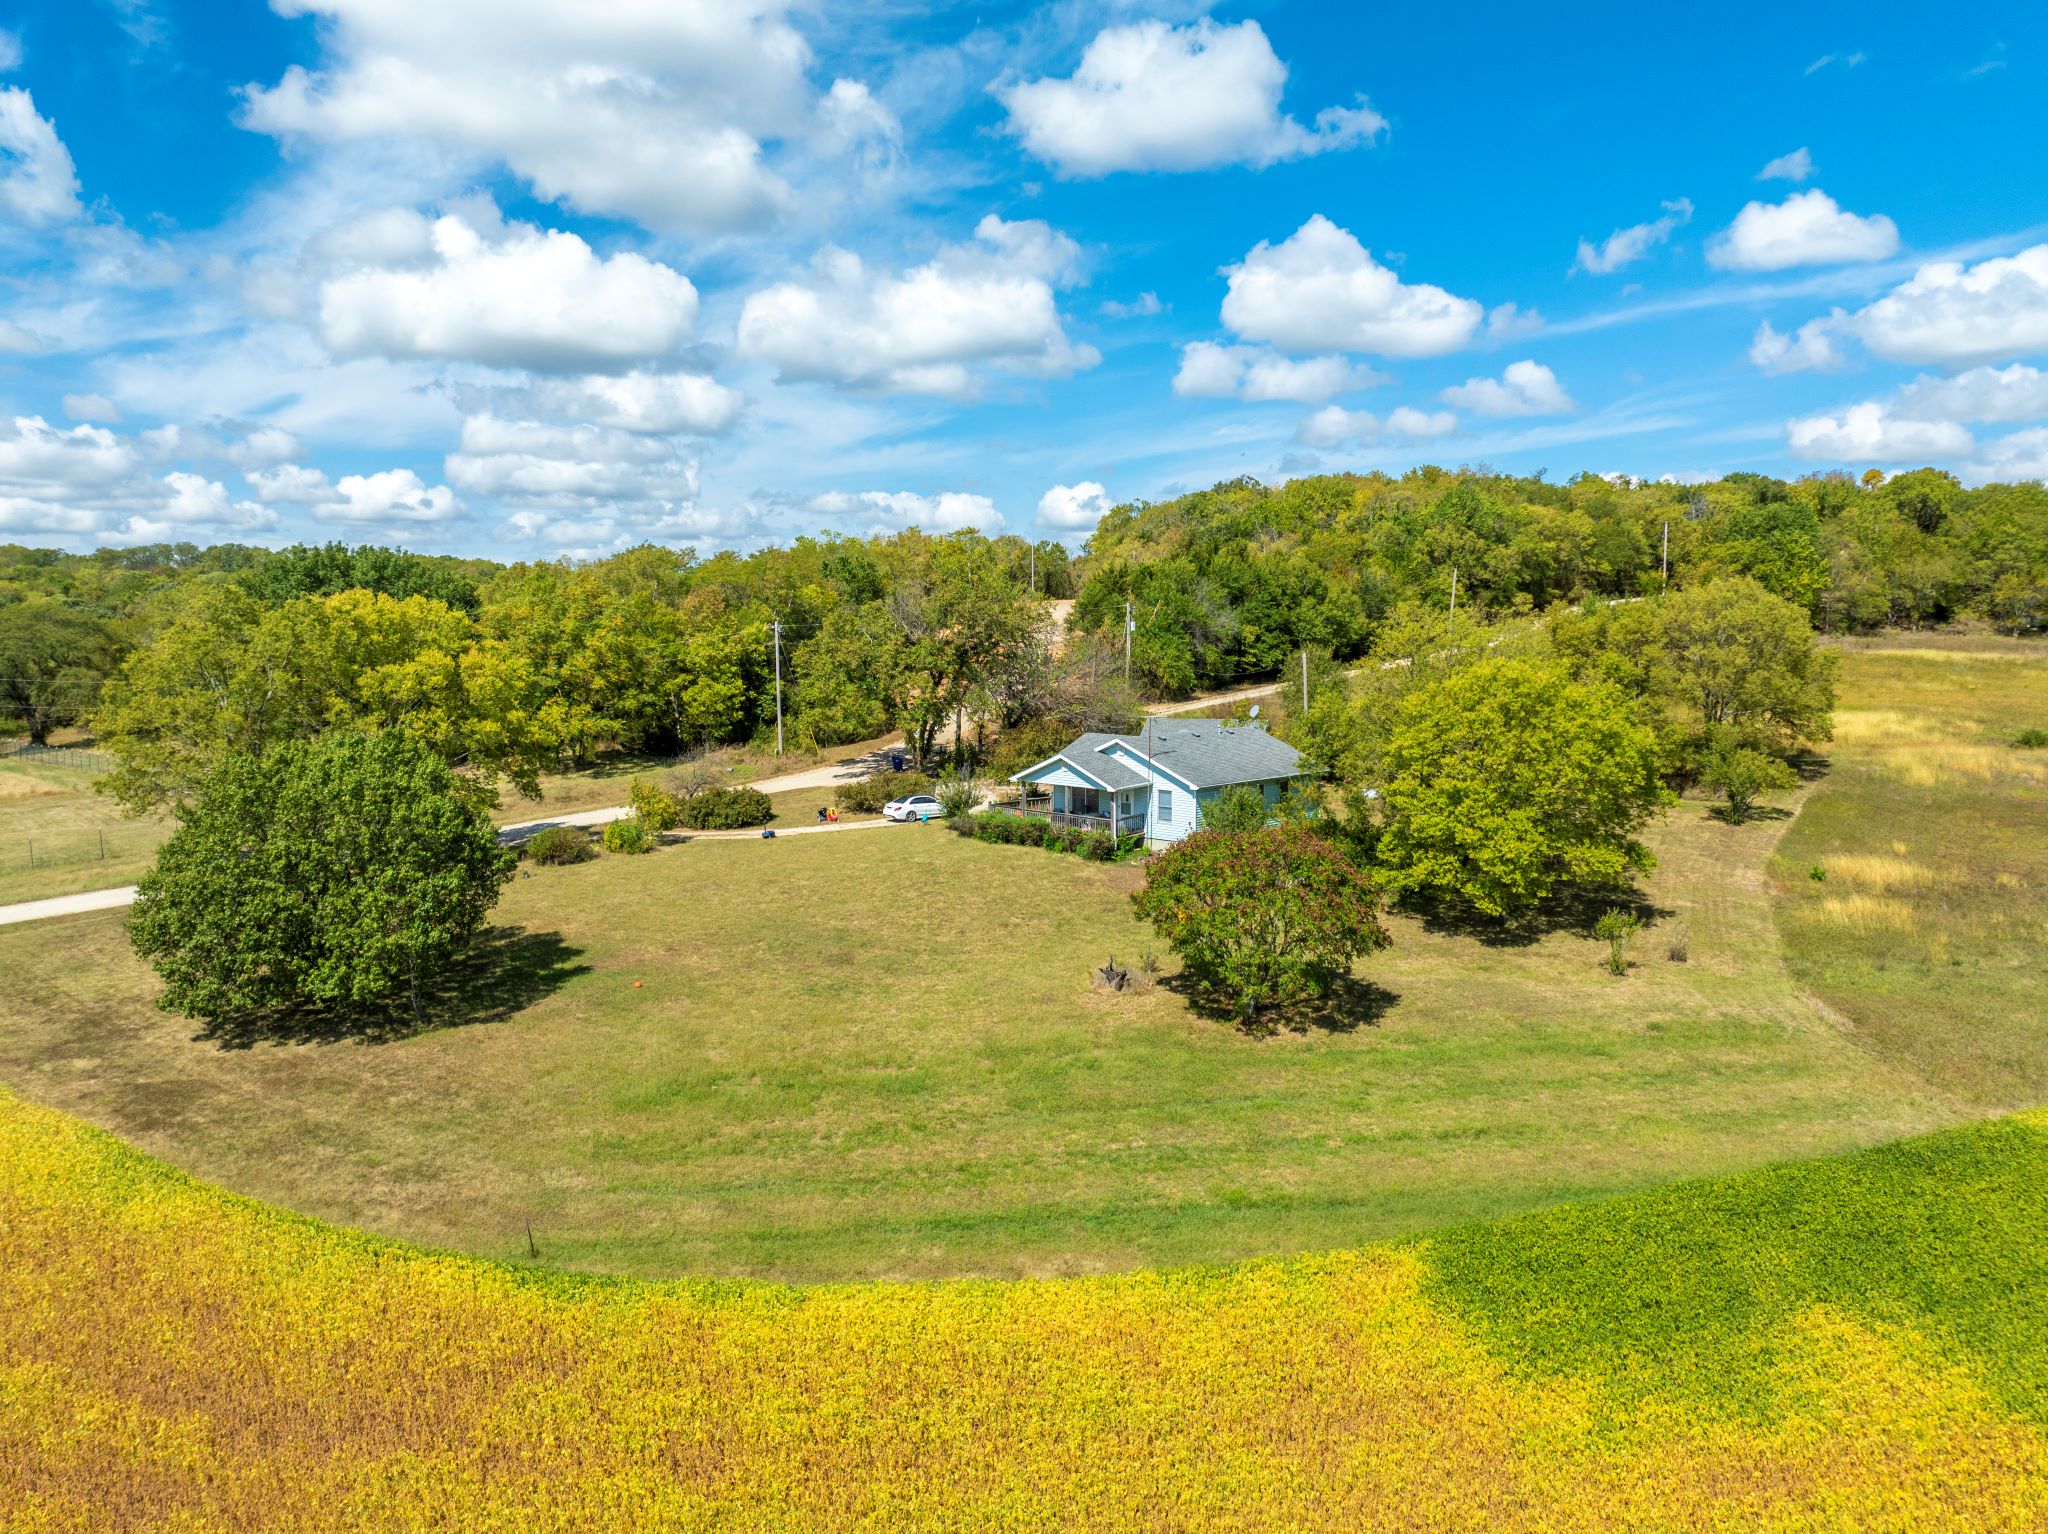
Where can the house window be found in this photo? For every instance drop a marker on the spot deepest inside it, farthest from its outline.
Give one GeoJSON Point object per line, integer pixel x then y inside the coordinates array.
{"type": "Point", "coordinates": [1166, 806]}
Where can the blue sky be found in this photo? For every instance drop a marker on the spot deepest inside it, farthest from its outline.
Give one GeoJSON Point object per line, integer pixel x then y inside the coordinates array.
{"type": "Point", "coordinates": [535, 279]}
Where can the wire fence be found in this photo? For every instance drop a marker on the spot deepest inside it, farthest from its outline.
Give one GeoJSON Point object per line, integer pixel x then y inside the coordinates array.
{"type": "Point", "coordinates": [69, 849]}
{"type": "Point", "coordinates": [58, 756]}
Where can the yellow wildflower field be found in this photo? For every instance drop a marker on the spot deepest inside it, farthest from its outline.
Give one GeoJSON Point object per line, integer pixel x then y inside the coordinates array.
{"type": "Point", "coordinates": [175, 1357]}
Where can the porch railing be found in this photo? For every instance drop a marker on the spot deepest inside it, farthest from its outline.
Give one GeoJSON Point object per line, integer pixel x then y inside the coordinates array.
{"type": "Point", "coordinates": [1041, 804]}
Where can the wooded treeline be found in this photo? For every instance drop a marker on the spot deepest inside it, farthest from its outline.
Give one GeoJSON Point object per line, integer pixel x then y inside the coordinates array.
{"type": "Point", "coordinates": [175, 655]}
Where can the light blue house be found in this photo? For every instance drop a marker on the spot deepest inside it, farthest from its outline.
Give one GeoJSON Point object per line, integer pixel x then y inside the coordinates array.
{"type": "Point", "coordinates": [1156, 782]}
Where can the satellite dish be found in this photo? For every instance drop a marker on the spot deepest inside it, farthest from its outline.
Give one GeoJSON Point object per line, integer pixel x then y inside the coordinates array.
{"type": "Point", "coordinates": [1255, 711]}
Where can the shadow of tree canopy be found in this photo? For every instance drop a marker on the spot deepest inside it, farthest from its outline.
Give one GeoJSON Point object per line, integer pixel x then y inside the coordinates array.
{"type": "Point", "coordinates": [1810, 766]}
{"type": "Point", "coordinates": [1728, 817]}
{"type": "Point", "coordinates": [503, 972]}
{"type": "Point", "coordinates": [1350, 1004]}
{"type": "Point", "coordinates": [1567, 910]}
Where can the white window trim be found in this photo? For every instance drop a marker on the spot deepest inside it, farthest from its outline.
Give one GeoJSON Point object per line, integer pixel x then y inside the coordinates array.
{"type": "Point", "coordinates": [1163, 798]}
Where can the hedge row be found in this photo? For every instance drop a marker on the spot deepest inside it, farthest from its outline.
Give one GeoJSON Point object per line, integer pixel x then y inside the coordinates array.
{"type": "Point", "coordinates": [1030, 831]}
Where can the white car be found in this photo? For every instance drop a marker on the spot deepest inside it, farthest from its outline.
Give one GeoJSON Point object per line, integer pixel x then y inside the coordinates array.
{"type": "Point", "coordinates": [916, 807]}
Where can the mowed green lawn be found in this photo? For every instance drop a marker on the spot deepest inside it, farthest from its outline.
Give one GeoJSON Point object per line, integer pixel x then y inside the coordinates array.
{"type": "Point", "coordinates": [878, 1053]}
{"type": "Point", "coordinates": [1928, 934]}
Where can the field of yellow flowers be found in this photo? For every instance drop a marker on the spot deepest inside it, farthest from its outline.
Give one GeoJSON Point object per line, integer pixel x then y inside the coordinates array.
{"type": "Point", "coordinates": [1857, 1343]}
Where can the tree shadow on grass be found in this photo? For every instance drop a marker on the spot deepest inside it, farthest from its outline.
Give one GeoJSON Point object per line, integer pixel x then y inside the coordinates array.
{"type": "Point", "coordinates": [505, 971]}
{"type": "Point", "coordinates": [1728, 817]}
{"type": "Point", "coordinates": [1809, 766]}
{"type": "Point", "coordinates": [1568, 910]}
{"type": "Point", "coordinates": [1350, 1005]}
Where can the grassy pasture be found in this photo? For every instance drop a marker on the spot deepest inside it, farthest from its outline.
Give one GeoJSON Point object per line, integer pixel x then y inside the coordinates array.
{"type": "Point", "coordinates": [58, 837]}
{"type": "Point", "coordinates": [1854, 1343]}
{"type": "Point", "coordinates": [1928, 930]}
{"type": "Point", "coordinates": [54, 828]}
{"type": "Point", "coordinates": [878, 1054]}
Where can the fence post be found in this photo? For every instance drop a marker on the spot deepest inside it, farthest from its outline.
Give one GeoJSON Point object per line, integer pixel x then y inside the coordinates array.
{"type": "Point", "coordinates": [103, 846]}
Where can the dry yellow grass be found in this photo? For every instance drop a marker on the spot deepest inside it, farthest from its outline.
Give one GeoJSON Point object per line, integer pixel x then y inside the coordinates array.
{"type": "Point", "coordinates": [1867, 913]}
{"type": "Point", "coordinates": [1876, 871]}
{"type": "Point", "coordinates": [1880, 726]}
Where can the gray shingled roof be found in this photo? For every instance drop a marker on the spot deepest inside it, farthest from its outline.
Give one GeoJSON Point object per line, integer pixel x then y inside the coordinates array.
{"type": "Point", "coordinates": [1209, 753]}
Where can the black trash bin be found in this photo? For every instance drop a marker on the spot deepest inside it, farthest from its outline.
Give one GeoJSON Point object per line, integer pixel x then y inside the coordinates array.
{"type": "Point", "coordinates": [895, 761]}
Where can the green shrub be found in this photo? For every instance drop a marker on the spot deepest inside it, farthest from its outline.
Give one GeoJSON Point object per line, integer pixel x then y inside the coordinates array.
{"type": "Point", "coordinates": [655, 805]}
{"type": "Point", "coordinates": [725, 809]}
{"type": "Point", "coordinates": [1240, 807]}
{"type": "Point", "coordinates": [630, 834]}
{"type": "Point", "coordinates": [557, 845]}
{"type": "Point", "coordinates": [1263, 917]}
{"type": "Point", "coordinates": [1618, 929]}
{"type": "Point", "coordinates": [959, 796]}
{"type": "Point", "coordinates": [870, 794]}
{"type": "Point", "coordinates": [1743, 775]}
{"type": "Point", "coordinates": [2031, 739]}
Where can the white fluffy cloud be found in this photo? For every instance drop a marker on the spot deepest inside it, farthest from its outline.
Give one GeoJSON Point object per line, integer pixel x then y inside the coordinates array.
{"type": "Point", "coordinates": [1953, 315]}
{"type": "Point", "coordinates": [38, 183]}
{"type": "Point", "coordinates": [91, 407]}
{"type": "Point", "coordinates": [1149, 96]}
{"type": "Point", "coordinates": [1806, 229]}
{"type": "Point", "coordinates": [532, 460]}
{"type": "Point", "coordinates": [893, 510]}
{"type": "Point", "coordinates": [989, 302]}
{"type": "Point", "coordinates": [1073, 506]}
{"type": "Point", "coordinates": [2016, 393]}
{"type": "Point", "coordinates": [2020, 456]}
{"type": "Point", "coordinates": [658, 112]}
{"type": "Point", "coordinates": [1809, 349]}
{"type": "Point", "coordinates": [265, 445]}
{"type": "Point", "coordinates": [41, 460]}
{"type": "Point", "coordinates": [395, 495]}
{"type": "Point", "coordinates": [1523, 388]}
{"type": "Point", "coordinates": [10, 50]}
{"type": "Point", "coordinates": [1320, 288]}
{"type": "Point", "coordinates": [90, 483]}
{"type": "Point", "coordinates": [1796, 166]}
{"type": "Point", "coordinates": [1258, 373]}
{"type": "Point", "coordinates": [1871, 433]}
{"type": "Point", "coordinates": [663, 404]}
{"type": "Point", "coordinates": [1333, 426]}
{"type": "Point", "coordinates": [1629, 245]}
{"type": "Point", "coordinates": [388, 498]}
{"type": "Point", "coordinates": [529, 298]}
{"type": "Point", "coordinates": [290, 484]}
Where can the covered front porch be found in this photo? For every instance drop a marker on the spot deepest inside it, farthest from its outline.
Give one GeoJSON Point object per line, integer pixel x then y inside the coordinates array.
{"type": "Point", "coordinates": [1088, 809]}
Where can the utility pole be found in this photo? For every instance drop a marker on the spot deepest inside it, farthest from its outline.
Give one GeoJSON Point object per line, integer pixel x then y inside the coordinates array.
{"type": "Point", "coordinates": [1304, 679]}
{"type": "Point", "coordinates": [1667, 551]}
{"type": "Point", "coordinates": [1454, 593]}
{"type": "Point", "coordinates": [1129, 624]}
{"type": "Point", "coordinates": [778, 687]}
{"type": "Point", "coordinates": [1034, 569]}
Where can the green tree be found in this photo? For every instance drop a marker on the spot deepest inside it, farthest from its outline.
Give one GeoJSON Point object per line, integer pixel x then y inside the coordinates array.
{"type": "Point", "coordinates": [229, 675]}
{"type": "Point", "coordinates": [1744, 775]}
{"type": "Point", "coordinates": [341, 874]}
{"type": "Point", "coordinates": [52, 662]}
{"type": "Point", "coordinates": [1238, 808]}
{"type": "Point", "coordinates": [1508, 779]}
{"type": "Point", "coordinates": [1735, 655]}
{"type": "Point", "coordinates": [1261, 918]}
